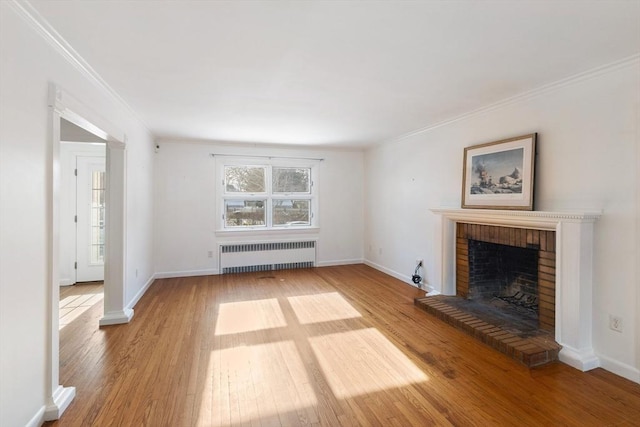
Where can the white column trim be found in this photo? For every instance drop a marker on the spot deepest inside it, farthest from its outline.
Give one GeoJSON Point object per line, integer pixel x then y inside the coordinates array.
{"type": "Point", "coordinates": [62, 105]}
{"type": "Point", "coordinates": [115, 310]}
{"type": "Point", "coordinates": [61, 399]}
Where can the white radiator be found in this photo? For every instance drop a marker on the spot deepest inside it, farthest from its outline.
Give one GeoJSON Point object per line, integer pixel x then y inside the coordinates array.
{"type": "Point", "coordinates": [247, 257]}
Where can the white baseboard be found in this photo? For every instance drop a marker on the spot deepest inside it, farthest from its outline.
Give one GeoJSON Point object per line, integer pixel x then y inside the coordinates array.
{"type": "Point", "coordinates": [392, 273]}
{"type": "Point", "coordinates": [581, 360]}
{"type": "Point", "coordinates": [62, 398]}
{"type": "Point", "coordinates": [37, 419]}
{"type": "Point", "coordinates": [626, 371]}
{"type": "Point", "coordinates": [215, 271]}
{"type": "Point", "coordinates": [117, 317]}
{"type": "Point", "coordinates": [141, 292]}
{"type": "Point", "coordinates": [187, 273]}
{"type": "Point", "coordinates": [339, 262]}
{"type": "Point", "coordinates": [67, 282]}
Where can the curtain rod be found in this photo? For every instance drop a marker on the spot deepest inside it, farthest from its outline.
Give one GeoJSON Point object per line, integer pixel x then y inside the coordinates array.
{"type": "Point", "coordinates": [266, 157]}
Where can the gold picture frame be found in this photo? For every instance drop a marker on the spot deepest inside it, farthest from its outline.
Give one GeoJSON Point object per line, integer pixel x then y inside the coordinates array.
{"type": "Point", "coordinates": [500, 174]}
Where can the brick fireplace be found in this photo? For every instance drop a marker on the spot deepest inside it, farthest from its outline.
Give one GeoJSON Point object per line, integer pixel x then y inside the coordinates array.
{"type": "Point", "coordinates": [515, 265]}
{"type": "Point", "coordinates": [564, 245]}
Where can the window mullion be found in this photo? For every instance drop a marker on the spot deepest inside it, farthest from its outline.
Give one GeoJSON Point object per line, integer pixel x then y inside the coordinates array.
{"type": "Point", "coordinates": [269, 187]}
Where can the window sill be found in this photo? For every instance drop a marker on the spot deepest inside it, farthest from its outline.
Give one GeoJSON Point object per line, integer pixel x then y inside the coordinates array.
{"type": "Point", "coordinates": [271, 232]}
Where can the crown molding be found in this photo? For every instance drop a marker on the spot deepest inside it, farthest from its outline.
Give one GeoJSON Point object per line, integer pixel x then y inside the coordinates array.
{"type": "Point", "coordinates": [41, 26]}
{"type": "Point", "coordinates": [558, 84]}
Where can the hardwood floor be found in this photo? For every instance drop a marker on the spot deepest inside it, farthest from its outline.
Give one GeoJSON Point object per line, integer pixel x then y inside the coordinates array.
{"type": "Point", "coordinates": [327, 346]}
{"type": "Point", "coordinates": [76, 299]}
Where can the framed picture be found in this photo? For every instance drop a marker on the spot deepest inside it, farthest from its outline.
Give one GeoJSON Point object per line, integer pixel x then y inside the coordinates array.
{"type": "Point", "coordinates": [499, 175]}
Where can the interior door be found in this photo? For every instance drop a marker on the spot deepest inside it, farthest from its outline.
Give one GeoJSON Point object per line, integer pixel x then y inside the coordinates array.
{"type": "Point", "coordinates": [90, 212]}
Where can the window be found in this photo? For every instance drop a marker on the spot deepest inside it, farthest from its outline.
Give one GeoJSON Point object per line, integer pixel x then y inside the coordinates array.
{"type": "Point", "coordinates": [97, 217]}
{"type": "Point", "coordinates": [267, 193]}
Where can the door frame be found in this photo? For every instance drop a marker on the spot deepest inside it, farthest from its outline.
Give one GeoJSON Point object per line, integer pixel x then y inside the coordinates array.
{"type": "Point", "coordinates": [70, 151]}
{"type": "Point", "coordinates": [85, 166]}
{"type": "Point", "coordinates": [63, 105]}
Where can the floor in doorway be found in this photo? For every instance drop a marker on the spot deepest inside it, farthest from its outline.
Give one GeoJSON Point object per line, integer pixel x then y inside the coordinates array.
{"type": "Point", "coordinates": [78, 298]}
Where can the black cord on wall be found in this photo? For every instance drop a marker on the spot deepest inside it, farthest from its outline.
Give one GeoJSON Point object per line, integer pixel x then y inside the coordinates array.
{"type": "Point", "coordinates": [416, 278]}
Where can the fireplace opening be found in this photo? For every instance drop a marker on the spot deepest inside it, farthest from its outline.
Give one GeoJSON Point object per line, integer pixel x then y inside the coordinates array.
{"type": "Point", "coordinates": [505, 279]}
{"type": "Point", "coordinates": [507, 276]}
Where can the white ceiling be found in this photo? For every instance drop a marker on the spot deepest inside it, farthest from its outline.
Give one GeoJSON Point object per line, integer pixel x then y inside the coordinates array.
{"type": "Point", "coordinates": [336, 73]}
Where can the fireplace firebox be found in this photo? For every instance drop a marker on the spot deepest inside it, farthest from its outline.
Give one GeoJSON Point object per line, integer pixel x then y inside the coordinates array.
{"type": "Point", "coordinates": [511, 268]}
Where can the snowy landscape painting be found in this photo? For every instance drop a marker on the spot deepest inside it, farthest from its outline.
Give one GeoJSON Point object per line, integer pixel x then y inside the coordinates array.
{"type": "Point", "coordinates": [499, 175]}
{"type": "Point", "coordinates": [507, 165]}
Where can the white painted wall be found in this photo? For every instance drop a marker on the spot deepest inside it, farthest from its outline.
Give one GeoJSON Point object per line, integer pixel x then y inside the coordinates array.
{"type": "Point", "coordinates": [185, 197]}
{"type": "Point", "coordinates": [588, 159]}
{"type": "Point", "coordinates": [28, 64]}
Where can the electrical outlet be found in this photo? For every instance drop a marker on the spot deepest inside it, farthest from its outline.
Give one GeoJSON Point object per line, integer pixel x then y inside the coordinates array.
{"type": "Point", "coordinates": [615, 323]}
{"type": "Point", "coordinates": [210, 254]}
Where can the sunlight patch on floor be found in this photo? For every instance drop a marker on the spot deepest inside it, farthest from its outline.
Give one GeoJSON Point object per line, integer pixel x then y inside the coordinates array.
{"type": "Point", "coordinates": [363, 361]}
{"type": "Point", "coordinates": [322, 308]}
{"type": "Point", "coordinates": [255, 383]}
{"type": "Point", "coordinates": [74, 306]}
{"type": "Point", "coordinates": [247, 316]}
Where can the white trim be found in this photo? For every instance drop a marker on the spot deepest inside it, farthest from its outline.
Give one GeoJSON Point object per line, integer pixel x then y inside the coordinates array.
{"type": "Point", "coordinates": [141, 292]}
{"type": "Point", "coordinates": [115, 257]}
{"type": "Point", "coordinates": [77, 113]}
{"type": "Point", "coordinates": [186, 273]}
{"type": "Point", "coordinates": [584, 360]}
{"type": "Point", "coordinates": [533, 219]}
{"type": "Point", "coordinates": [45, 30]}
{"type": "Point", "coordinates": [637, 242]}
{"type": "Point", "coordinates": [62, 398]}
{"type": "Point", "coordinates": [117, 317]}
{"type": "Point", "coordinates": [215, 271]}
{"type": "Point", "coordinates": [52, 365]}
{"type": "Point", "coordinates": [37, 419]}
{"type": "Point", "coordinates": [402, 277]}
{"type": "Point", "coordinates": [626, 371]}
{"type": "Point", "coordinates": [524, 96]}
{"type": "Point", "coordinates": [339, 262]}
{"type": "Point", "coordinates": [62, 105]}
{"type": "Point", "coordinates": [248, 232]}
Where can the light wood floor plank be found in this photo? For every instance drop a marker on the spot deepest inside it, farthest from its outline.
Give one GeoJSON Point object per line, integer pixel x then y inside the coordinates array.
{"type": "Point", "coordinates": [334, 346]}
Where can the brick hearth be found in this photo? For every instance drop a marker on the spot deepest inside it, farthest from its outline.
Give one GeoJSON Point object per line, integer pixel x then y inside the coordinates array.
{"type": "Point", "coordinates": [530, 346]}
{"type": "Point", "coordinates": [529, 349]}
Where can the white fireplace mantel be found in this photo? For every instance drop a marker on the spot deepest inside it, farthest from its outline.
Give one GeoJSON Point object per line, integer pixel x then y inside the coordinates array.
{"type": "Point", "coordinates": [574, 256]}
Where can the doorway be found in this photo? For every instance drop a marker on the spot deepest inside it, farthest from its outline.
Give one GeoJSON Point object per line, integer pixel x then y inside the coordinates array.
{"type": "Point", "coordinates": [82, 209]}
{"type": "Point", "coordinates": [63, 106]}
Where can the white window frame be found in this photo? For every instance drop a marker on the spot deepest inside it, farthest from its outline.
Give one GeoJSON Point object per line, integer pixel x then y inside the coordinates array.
{"type": "Point", "coordinates": [268, 163]}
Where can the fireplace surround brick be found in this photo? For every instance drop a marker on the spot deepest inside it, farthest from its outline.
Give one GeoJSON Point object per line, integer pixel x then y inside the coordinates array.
{"type": "Point", "coordinates": [542, 240]}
